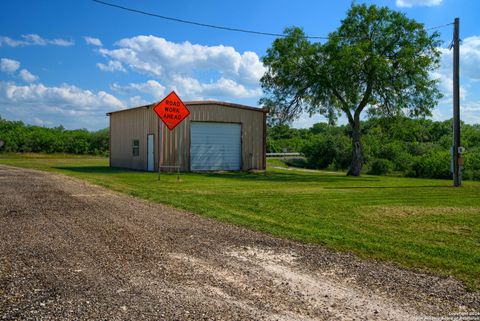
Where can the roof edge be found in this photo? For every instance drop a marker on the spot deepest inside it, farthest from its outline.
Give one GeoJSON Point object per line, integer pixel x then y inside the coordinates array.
{"type": "Point", "coordinates": [224, 103]}
{"type": "Point", "coordinates": [132, 108]}
{"type": "Point", "coordinates": [200, 102]}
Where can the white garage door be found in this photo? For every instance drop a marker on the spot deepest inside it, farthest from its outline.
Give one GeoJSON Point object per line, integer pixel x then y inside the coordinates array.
{"type": "Point", "coordinates": [215, 146]}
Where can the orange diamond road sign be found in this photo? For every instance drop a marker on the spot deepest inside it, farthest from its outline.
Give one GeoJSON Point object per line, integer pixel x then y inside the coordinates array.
{"type": "Point", "coordinates": [171, 110]}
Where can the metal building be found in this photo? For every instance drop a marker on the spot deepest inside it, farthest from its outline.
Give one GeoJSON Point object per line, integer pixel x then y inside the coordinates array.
{"type": "Point", "coordinates": [215, 136]}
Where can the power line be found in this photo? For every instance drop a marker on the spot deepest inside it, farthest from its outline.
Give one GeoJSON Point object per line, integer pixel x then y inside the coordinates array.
{"type": "Point", "coordinates": [221, 27]}
{"type": "Point", "coordinates": [199, 23]}
{"type": "Point", "coordinates": [441, 26]}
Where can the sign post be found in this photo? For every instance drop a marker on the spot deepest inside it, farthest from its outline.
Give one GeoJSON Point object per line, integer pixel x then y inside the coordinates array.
{"type": "Point", "coordinates": [172, 111]}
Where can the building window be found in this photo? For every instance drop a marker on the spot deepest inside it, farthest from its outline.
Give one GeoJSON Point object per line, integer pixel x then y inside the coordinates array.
{"type": "Point", "coordinates": [136, 147]}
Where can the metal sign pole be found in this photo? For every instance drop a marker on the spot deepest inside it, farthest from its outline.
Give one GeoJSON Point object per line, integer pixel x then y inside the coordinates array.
{"type": "Point", "coordinates": [161, 139]}
{"type": "Point", "coordinates": [179, 146]}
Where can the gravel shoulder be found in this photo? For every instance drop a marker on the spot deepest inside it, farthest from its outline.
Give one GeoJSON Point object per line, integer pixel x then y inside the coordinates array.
{"type": "Point", "coordinates": [72, 250]}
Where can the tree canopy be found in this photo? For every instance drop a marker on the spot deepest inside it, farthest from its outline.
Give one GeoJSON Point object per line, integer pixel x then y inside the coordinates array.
{"type": "Point", "coordinates": [19, 137]}
{"type": "Point", "coordinates": [377, 59]}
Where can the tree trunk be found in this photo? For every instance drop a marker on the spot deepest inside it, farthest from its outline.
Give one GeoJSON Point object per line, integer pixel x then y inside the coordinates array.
{"type": "Point", "coordinates": [357, 150]}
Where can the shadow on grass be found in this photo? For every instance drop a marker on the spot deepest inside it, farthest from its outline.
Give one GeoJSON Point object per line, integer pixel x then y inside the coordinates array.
{"type": "Point", "coordinates": [95, 169]}
{"type": "Point", "coordinates": [270, 177]}
{"type": "Point", "coordinates": [241, 176]}
{"type": "Point", "coordinates": [289, 177]}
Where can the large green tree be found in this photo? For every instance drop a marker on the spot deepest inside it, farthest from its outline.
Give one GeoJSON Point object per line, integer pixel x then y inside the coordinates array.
{"type": "Point", "coordinates": [378, 59]}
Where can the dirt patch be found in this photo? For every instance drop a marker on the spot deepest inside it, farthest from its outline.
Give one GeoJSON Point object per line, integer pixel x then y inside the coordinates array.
{"type": "Point", "coordinates": [71, 250]}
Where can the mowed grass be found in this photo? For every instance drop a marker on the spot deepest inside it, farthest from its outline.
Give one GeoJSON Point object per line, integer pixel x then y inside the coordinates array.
{"type": "Point", "coordinates": [416, 223]}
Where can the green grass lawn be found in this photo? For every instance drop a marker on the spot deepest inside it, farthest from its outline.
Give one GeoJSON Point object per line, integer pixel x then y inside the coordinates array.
{"type": "Point", "coordinates": [416, 223]}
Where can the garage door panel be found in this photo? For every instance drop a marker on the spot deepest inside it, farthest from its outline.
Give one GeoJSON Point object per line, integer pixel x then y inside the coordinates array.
{"type": "Point", "coordinates": [215, 146]}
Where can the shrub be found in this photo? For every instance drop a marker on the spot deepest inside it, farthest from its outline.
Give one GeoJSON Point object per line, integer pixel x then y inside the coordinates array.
{"type": "Point", "coordinates": [380, 166]}
{"type": "Point", "coordinates": [472, 164]}
{"type": "Point", "coordinates": [435, 164]}
{"type": "Point", "coordinates": [327, 151]}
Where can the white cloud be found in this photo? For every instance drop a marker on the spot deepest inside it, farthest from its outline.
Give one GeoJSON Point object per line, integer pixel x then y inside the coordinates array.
{"type": "Point", "coordinates": [62, 96]}
{"type": "Point", "coordinates": [446, 86]}
{"type": "Point", "coordinates": [137, 101]}
{"type": "Point", "coordinates": [11, 42]}
{"type": "Point", "coordinates": [33, 40]}
{"type": "Point", "coordinates": [190, 89]}
{"type": "Point", "coordinates": [195, 71]}
{"type": "Point", "coordinates": [151, 87]}
{"type": "Point", "coordinates": [470, 57]}
{"type": "Point", "coordinates": [93, 41]}
{"type": "Point", "coordinates": [305, 121]}
{"type": "Point", "coordinates": [68, 105]}
{"type": "Point", "coordinates": [111, 66]}
{"type": "Point", "coordinates": [469, 82]}
{"type": "Point", "coordinates": [469, 111]}
{"type": "Point", "coordinates": [156, 56]}
{"type": "Point", "coordinates": [27, 76]}
{"type": "Point", "coordinates": [222, 88]}
{"type": "Point", "coordinates": [40, 122]}
{"type": "Point", "coordinates": [469, 70]}
{"type": "Point", "coordinates": [61, 42]}
{"type": "Point", "coordinates": [415, 3]}
{"type": "Point", "coordinates": [473, 106]}
{"type": "Point", "coordinates": [9, 66]}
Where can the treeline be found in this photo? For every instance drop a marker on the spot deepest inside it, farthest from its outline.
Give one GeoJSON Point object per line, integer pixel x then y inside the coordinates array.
{"type": "Point", "coordinates": [18, 137]}
{"type": "Point", "coordinates": [401, 146]}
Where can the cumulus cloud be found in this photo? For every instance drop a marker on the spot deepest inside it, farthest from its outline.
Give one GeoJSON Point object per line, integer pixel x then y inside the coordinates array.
{"type": "Point", "coordinates": [446, 85]}
{"type": "Point", "coordinates": [469, 68]}
{"type": "Point", "coordinates": [27, 76]}
{"type": "Point", "coordinates": [111, 66]}
{"type": "Point", "coordinates": [469, 81]}
{"type": "Point", "coordinates": [221, 88]}
{"type": "Point", "coordinates": [190, 89]}
{"type": "Point", "coordinates": [33, 40]}
{"type": "Point", "coordinates": [151, 87]}
{"type": "Point", "coordinates": [9, 66]}
{"type": "Point", "coordinates": [196, 71]}
{"type": "Point", "coordinates": [69, 105]}
{"type": "Point", "coordinates": [469, 58]}
{"type": "Point", "coordinates": [41, 122]}
{"type": "Point", "coordinates": [415, 3]}
{"type": "Point", "coordinates": [62, 96]}
{"type": "Point", "coordinates": [93, 41]}
{"type": "Point", "coordinates": [155, 56]}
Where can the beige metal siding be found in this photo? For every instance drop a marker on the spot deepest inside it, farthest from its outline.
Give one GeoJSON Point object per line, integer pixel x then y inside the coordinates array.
{"type": "Point", "coordinates": [138, 122]}
{"type": "Point", "coordinates": [126, 126]}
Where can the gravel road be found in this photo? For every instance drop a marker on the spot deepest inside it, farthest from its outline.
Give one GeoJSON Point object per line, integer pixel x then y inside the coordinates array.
{"type": "Point", "coordinates": [71, 250]}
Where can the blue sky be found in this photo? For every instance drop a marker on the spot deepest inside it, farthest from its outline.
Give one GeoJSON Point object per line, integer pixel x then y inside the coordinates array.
{"type": "Point", "coordinates": [70, 62]}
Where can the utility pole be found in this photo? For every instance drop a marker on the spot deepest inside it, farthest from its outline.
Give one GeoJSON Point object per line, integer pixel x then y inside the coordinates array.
{"type": "Point", "coordinates": [457, 150]}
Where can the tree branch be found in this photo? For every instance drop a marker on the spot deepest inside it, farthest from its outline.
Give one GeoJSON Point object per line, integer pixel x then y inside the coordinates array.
{"type": "Point", "coordinates": [344, 108]}
{"type": "Point", "coordinates": [364, 101]}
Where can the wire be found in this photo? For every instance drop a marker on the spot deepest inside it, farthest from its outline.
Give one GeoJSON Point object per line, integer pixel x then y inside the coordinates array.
{"type": "Point", "coordinates": [199, 23]}
{"type": "Point", "coordinates": [221, 27]}
{"type": "Point", "coordinates": [441, 26]}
